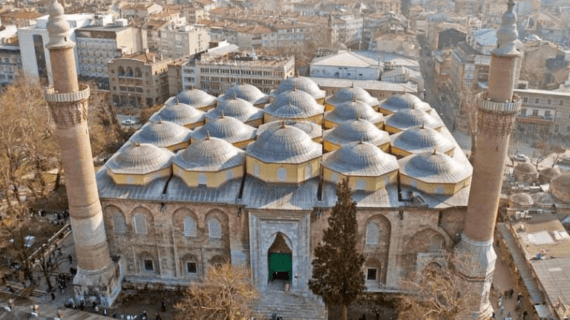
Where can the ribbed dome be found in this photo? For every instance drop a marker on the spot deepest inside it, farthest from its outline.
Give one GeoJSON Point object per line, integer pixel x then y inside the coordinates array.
{"type": "Point", "coordinates": [286, 144]}
{"type": "Point", "coordinates": [405, 101]}
{"type": "Point", "coordinates": [521, 199]}
{"type": "Point", "coordinates": [302, 84]}
{"type": "Point", "coordinates": [360, 159]}
{"type": "Point", "coordinates": [560, 187]}
{"type": "Point", "coordinates": [547, 174]}
{"type": "Point", "coordinates": [179, 113]}
{"type": "Point", "coordinates": [246, 92]}
{"type": "Point", "coordinates": [210, 154]}
{"type": "Point", "coordinates": [412, 117]}
{"type": "Point", "coordinates": [236, 108]}
{"type": "Point", "coordinates": [230, 129]}
{"type": "Point", "coordinates": [312, 129]}
{"type": "Point", "coordinates": [352, 110]}
{"type": "Point", "coordinates": [161, 134]}
{"type": "Point", "coordinates": [525, 168]}
{"type": "Point", "coordinates": [434, 167]}
{"type": "Point", "coordinates": [294, 104]}
{"type": "Point", "coordinates": [196, 98]}
{"type": "Point", "coordinates": [421, 139]}
{"type": "Point", "coordinates": [354, 131]}
{"type": "Point", "coordinates": [140, 159]}
{"type": "Point", "coordinates": [350, 94]}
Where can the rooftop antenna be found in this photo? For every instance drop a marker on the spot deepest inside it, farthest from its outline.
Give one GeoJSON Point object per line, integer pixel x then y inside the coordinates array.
{"type": "Point", "coordinates": [207, 134]}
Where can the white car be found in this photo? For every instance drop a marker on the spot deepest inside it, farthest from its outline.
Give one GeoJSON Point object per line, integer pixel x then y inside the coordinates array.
{"type": "Point", "coordinates": [128, 122]}
{"type": "Point", "coordinates": [520, 157]}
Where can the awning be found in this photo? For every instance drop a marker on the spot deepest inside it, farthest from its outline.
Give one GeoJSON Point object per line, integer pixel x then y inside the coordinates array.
{"type": "Point", "coordinates": [542, 311]}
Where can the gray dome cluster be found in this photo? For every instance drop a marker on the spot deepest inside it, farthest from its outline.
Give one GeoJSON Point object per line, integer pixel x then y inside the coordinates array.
{"type": "Point", "coordinates": [519, 200]}
{"type": "Point", "coordinates": [161, 134]}
{"type": "Point", "coordinates": [421, 139]}
{"type": "Point", "coordinates": [360, 159]}
{"type": "Point", "coordinates": [525, 172]}
{"type": "Point", "coordinates": [354, 131]}
{"type": "Point", "coordinates": [139, 159]}
{"type": "Point", "coordinates": [350, 94]}
{"type": "Point", "coordinates": [408, 118]}
{"type": "Point", "coordinates": [294, 104]}
{"type": "Point", "coordinates": [179, 113]}
{"type": "Point", "coordinates": [194, 97]}
{"type": "Point", "coordinates": [352, 110]}
{"type": "Point", "coordinates": [230, 129]}
{"type": "Point", "coordinates": [237, 108]}
{"type": "Point", "coordinates": [312, 129]}
{"type": "Point", "coordinates": [246, 92]}
{"type": "Point", "coordinates": [286, 144]}
{"type": "Point", "coordinates": [302, 84]}
{"type": "Point", "coordinates": [402, 102]}
{"type": "Point", "coordinates": [211, 154]}
{"type": "Point", "coordinates": [560, 187]}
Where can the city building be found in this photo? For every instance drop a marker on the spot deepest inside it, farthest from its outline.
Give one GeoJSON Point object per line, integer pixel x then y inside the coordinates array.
{"type": "Point", "coordinates": [32, 40]}
{"type": "Point", "coordinates": [138, 80]}
{"type": "Point", "coordinates": [543, 113]}
{"type": "Point", "coordinates": [346, 65]}
{"type": "Point", "coordinates": [139, 11]}
{"type": "Point", "coordinates": [97, 44]}
{"type": "Point", "coordinates": [173, 38]}
{"type": "Point", "coordinates": [10, 58]}
{"type": "Point", "coordinates": [20, 19]}
{"type": "Point", "coordinates": [382, 6]}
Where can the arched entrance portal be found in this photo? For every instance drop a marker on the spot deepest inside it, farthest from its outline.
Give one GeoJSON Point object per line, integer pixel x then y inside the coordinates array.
{"type": "Point", "coordinates": [280, 263]}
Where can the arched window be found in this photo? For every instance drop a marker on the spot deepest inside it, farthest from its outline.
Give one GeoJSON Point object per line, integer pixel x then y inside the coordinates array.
{"type": "Point", "coordinates": [201, 179]}
{"type": "Point", "coordinates": [119, 224]}
{"type": "Point", "coordinates": [189, 227]}
{"type": "Point", "coordinates": [140, 223]}
{"type": "Point", "coordinates": [282, 174]}
{"type": "Point", "coordinates": [360, 184]}
{"type": "Point", "coordinates": [121, 71]}
{"type": "Point", "coordinates": [214, 229]}
{"type": "Point", "coordinates": [129, 72]}
{"type": "Point", "coordinates": [138, 73]}
{"type": "Point", "coordinates": [229, 175]}
{"type": "Point", "coordinates": [372, 233]}
{"type": "Point", "coordinates": [256, 169]}
{"type": "Point", "coordinates": [308, 172]}
{"type": "Point", "coordinates": [440, 190]}
{"type": "Point", "coordinates": [435, 244]}
{"type": "Point", "coordinates": [334, 177]}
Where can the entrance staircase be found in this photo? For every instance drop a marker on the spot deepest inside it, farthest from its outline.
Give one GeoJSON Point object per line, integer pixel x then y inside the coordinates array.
{"type": "Point", "coordinates": [288, 306]}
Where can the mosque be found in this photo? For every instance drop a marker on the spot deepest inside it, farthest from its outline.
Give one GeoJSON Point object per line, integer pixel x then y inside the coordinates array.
{"type": "Point", "coordinates": [248, 178]}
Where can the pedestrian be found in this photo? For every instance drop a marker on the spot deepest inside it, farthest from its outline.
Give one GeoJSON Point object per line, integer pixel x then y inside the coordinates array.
{"type": "Point", "coordinates": [511, 293]}
{"type": "Point", "coordinates": [363, 317]}
{"type": "Point", "coordinates": [158, 317]}
{"type": "Point", "coordinates": [70, 259]}
{"type": "Point", "coordinates": [377, 315]}
{"type": "Point", "coordinates": [52, 296]}
{"type": "Point", "coordinates": [163, 306]}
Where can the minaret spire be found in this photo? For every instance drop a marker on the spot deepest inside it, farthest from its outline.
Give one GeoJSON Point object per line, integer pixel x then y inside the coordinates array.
{"type": "Point", "coordinates": [96, 274]}
{"type": "Point", "coordinates": [496, 111]}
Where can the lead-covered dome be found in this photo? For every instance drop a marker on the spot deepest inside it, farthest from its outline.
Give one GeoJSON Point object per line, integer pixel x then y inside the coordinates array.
{"type": "Point", "coordinates": [355, 131]}
{"type": "Point", "coordinates": [294, 104]}
{"type": "Point", "coordinates": [286, 144]}
{"type": "Point", "coordinates": [434, 172]}
{"type": "Point", "coordinates": [350, 94]}
{"type": "Point", "coordinates": [560, 187]}
{"type": "Point", "coordinates": [402, 102]}
{"type": "Point", "coordinates": [408, 118]}
{"type": "Point", "coordinates": [164, 134]}
{"type": "Point", "coordinates": [210, 154]}
{"type": "Point", "coordinates": [418, 140]}
{"type": "Point", "coordinates": [525, 172]}
{"type": "Point", "coordinates": [230, 129]}
{"type": "Point", "coordinates": [180, 114]}
{"type": "Point", "coordinates": [302, 84]}
{"type": "Point", "coordinates": [520, 200]}
{"type": "Point", "coordinates": [360, 159]}
{"type": "Point", "coordinates": [314, 131]}
{"type": "Point", "coordinates": [246, 92]}
{"type": "Point", "coordinates": [237, 108]}
{"type": "Point", "coordinates": [547, 174]}
{"type": "Point", "coordinates": [194, 97]}
{"type": "Point", "coordinates": [352, 110]}
{"type": "Point", "coordinates": [139, 164]}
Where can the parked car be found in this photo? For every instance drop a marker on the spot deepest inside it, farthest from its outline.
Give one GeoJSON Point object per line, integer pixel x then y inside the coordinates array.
{"type": "Point", "coordinates": [520, 157]}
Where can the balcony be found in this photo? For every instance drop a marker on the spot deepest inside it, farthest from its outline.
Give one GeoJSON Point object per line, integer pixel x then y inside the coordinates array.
{"type": "Point", "coordinates": [535, 119]}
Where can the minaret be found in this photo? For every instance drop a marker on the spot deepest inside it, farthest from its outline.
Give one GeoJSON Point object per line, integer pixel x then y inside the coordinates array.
{"type": "Point", "coordinates": [97, 276]}
{"type": "Point", "coordinates": [496, 111]}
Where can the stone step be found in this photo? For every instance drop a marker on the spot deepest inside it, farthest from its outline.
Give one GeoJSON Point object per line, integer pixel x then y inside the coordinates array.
{"type": "Point", "coordinates": [289, 306]}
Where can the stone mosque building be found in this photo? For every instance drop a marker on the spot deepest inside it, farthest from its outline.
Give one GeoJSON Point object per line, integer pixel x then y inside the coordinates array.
{"type": "Point", "coordinates": [249, 178]}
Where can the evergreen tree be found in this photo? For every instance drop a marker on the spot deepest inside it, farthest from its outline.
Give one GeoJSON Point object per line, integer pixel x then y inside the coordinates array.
{"type": "Point", "coordinates": [337, 267]}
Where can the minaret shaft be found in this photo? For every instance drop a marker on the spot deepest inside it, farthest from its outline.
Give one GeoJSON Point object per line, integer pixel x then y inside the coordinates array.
{"type": "Point", "coordinates": [63, 70]}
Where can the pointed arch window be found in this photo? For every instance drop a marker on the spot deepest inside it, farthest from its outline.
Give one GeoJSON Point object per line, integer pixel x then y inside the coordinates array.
{"type": "Point", "coordinates": [119, 225]}
{"type": "Point", "coordinates": [214, 229]}
{"type": "Point", "coordinates": [282, 174]}
{"type": "Point", "coordinates": [372, 233]}
{"type": "Point", "coordinates": [140, 223]}
{"type": "Point", "coordinates": [190, 227]}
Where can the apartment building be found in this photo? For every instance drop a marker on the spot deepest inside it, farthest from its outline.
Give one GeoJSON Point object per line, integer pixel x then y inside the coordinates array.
{"type": "Point", "coordinates": [219, 69]}
{"type": "Point", "coordinates": [140, 11]}
{"type": "Point", "coordinates": [382, 6]}
{"type": "Point", "coordinates": [98, 44]}
{"type": "Point", "coordinates": [10, 59]}
{"type": "Point", "coordinates": [544, 112]}
{"type": "Point", "coordinates": [20, 19]}
{"type": "Point", "coordinates": [173, 38]}
{"type": "Point", "coordinates": [138, 80]}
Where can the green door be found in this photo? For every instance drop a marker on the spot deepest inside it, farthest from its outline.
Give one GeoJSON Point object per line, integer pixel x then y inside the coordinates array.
{"type": "Point", "coordinates": [280, 266]}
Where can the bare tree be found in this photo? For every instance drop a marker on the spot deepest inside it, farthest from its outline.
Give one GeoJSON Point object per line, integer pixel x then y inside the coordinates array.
{"type": "Point", "coordinates": [437, 293]}
{"type": "Point", "coordinates": [545, 151]}
{"type": "Point", "coordinates": [225, 294]}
